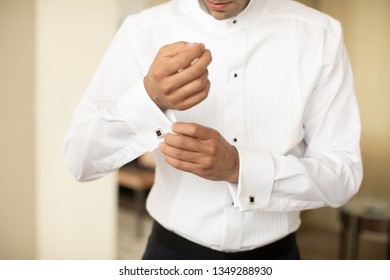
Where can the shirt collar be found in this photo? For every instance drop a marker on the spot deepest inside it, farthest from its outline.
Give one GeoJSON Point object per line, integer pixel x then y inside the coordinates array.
{"type": "Point", "coordinates": [195, 8]}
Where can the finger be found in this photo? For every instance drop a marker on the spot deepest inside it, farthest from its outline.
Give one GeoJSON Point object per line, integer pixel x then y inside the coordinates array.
{"type": "Point", "coordinates": [191, 94]}
{"type": "Point", "coordinates": [182, 142]}
{"type": "Point", "coordinates": [180, 154]}
{"type": "Point", "coordinates": [193, 130]}
{"type": "Point", "coordinates": [193, 99]}
{"type": "Point", "coordinates": [188, 88]}
{"type": "Point", "coordinates": [172, 49]}
{"type": "Point", "coordinates": [182, 58]}
{"type": "Point", "coordinates": [185, 166]}
{"type": "Point", "coordinates": [195, 70]}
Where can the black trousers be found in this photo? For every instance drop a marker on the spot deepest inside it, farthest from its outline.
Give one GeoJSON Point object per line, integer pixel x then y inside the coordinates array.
{"type": "Point", "coordinates": [166, 245]}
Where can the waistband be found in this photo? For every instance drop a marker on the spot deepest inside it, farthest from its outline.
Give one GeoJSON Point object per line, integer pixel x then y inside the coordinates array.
{"type": "Point", "coordinates": [185, 247]}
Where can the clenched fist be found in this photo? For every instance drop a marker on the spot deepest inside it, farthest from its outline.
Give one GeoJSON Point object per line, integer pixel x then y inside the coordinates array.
{"type": "Point", "coordinates": [178, 76]}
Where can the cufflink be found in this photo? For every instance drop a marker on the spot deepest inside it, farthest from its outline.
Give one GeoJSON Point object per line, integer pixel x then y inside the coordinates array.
{"type": "Point", "coordinates": [159, 133]}
{"type": "Point", "coordinates": [251, 200]}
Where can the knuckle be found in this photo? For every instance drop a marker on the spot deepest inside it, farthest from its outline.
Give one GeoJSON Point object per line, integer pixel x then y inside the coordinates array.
{"type": "Point", "coordinates": [208, 55]}
{"type": "Point", "coordinates": [212, 148]}
{"type": "Point", "coordinates": [193, 128]}
{"type": "Point", "coordinates": [196, 70]}
{"type": "Point", "coordinates": [206, 89]}
{"type": "Point", "coordinates": [206, 75]}
{"type": "Point", "coordinates": [212, 151]}
{"type": "Point", "coordinates": [181, 141]}
{"type": "Point", "coordinates": [157, 73]}
{"type": "Point", "coordinates": [177, 154]}
{"type": "Point", "coordinates": [215, 135]}
{"type": "Point", "coordinates": [178, 164]}
{"type": "Point", "coordinates": [181, 106]}
{"type": "Point", "coordinates": [208, 163]}
{"type": "Point", "coordinates": [182, 62]}
{"type": "Point", "coordinates": [198, 85]}
{"type": "Point", "coordinates": [202, 172]}
{"type": "Point", "coordinates": [176, 142]}
{"type": "Point", "coordinates": [163, 148]}
{"type": "Point", "coordinates": [165, 88]}
{"type": "Point", "coordinates": [203, 94]}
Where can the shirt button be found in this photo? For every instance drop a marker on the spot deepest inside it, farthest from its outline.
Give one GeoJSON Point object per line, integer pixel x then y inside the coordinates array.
{"type": "Point", "coordinates": [235, 140]}
{"type": "Point", "coordinates": [234, 21]}
{"type": "Point", "coordinates": [235, 75]}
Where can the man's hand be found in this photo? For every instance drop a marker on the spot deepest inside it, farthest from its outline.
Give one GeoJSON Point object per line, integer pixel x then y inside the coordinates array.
{"type": "Point", "coordinates": [202, 151]}
{"type": "Point", "coordinates": [178, 76]}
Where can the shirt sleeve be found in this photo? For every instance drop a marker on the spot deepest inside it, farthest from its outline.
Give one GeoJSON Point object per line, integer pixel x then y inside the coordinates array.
{"type": "Point", "coordinates": [115, 121]}
{"type": "Point", "coordinates": [330, 170]}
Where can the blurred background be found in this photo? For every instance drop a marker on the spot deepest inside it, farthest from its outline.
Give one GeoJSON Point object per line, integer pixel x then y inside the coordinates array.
{"type": "Point", "coordinates": [49, 49]}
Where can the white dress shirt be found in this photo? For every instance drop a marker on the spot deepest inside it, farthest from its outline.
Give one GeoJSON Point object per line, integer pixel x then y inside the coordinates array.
{"type": "Point", "coordinates": [281, 91]}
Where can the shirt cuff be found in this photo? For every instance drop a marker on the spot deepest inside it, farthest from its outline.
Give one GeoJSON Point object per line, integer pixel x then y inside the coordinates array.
{"type": "Point", "coordinates": [144, 117]}
{"type": "Point", "coordinates": [255, 182]}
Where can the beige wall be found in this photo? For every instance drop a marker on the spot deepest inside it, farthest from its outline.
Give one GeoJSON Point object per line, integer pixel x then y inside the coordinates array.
{"type": "Point", "coordinates": [17, 209]}
{"type": "Point", "coordinates": [75, 221]}
{"type": "Point", "coordinates": [155, 2]}
{"type": "Point", "coordinates": [311, 3]}
{"type": "Point", "coordinates": [49, 50]}
{"type": "Point", "coordinates": [128, 7]}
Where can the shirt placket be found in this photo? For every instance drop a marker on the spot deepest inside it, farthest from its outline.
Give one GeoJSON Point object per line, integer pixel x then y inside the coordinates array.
{"type": "Point", "coordinates": [235, 86]}
{"type": "Point", "coordinates": [235, 124]}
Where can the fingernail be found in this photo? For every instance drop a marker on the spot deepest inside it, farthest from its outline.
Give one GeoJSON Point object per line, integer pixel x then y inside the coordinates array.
{"type": "Point", "coordinates": [200, 44]}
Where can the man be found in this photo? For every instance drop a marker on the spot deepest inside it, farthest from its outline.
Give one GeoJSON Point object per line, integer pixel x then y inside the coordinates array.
{"type": "Point", "coordinates": [250, 110]}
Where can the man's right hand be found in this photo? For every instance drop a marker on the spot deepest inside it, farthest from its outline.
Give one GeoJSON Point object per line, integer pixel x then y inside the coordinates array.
{"type": "Point", "coordinates": [178, 76]}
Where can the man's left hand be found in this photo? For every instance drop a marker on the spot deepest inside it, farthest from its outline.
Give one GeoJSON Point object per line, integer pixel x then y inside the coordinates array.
{"type": "Point", "coordinates": [202, 151]}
